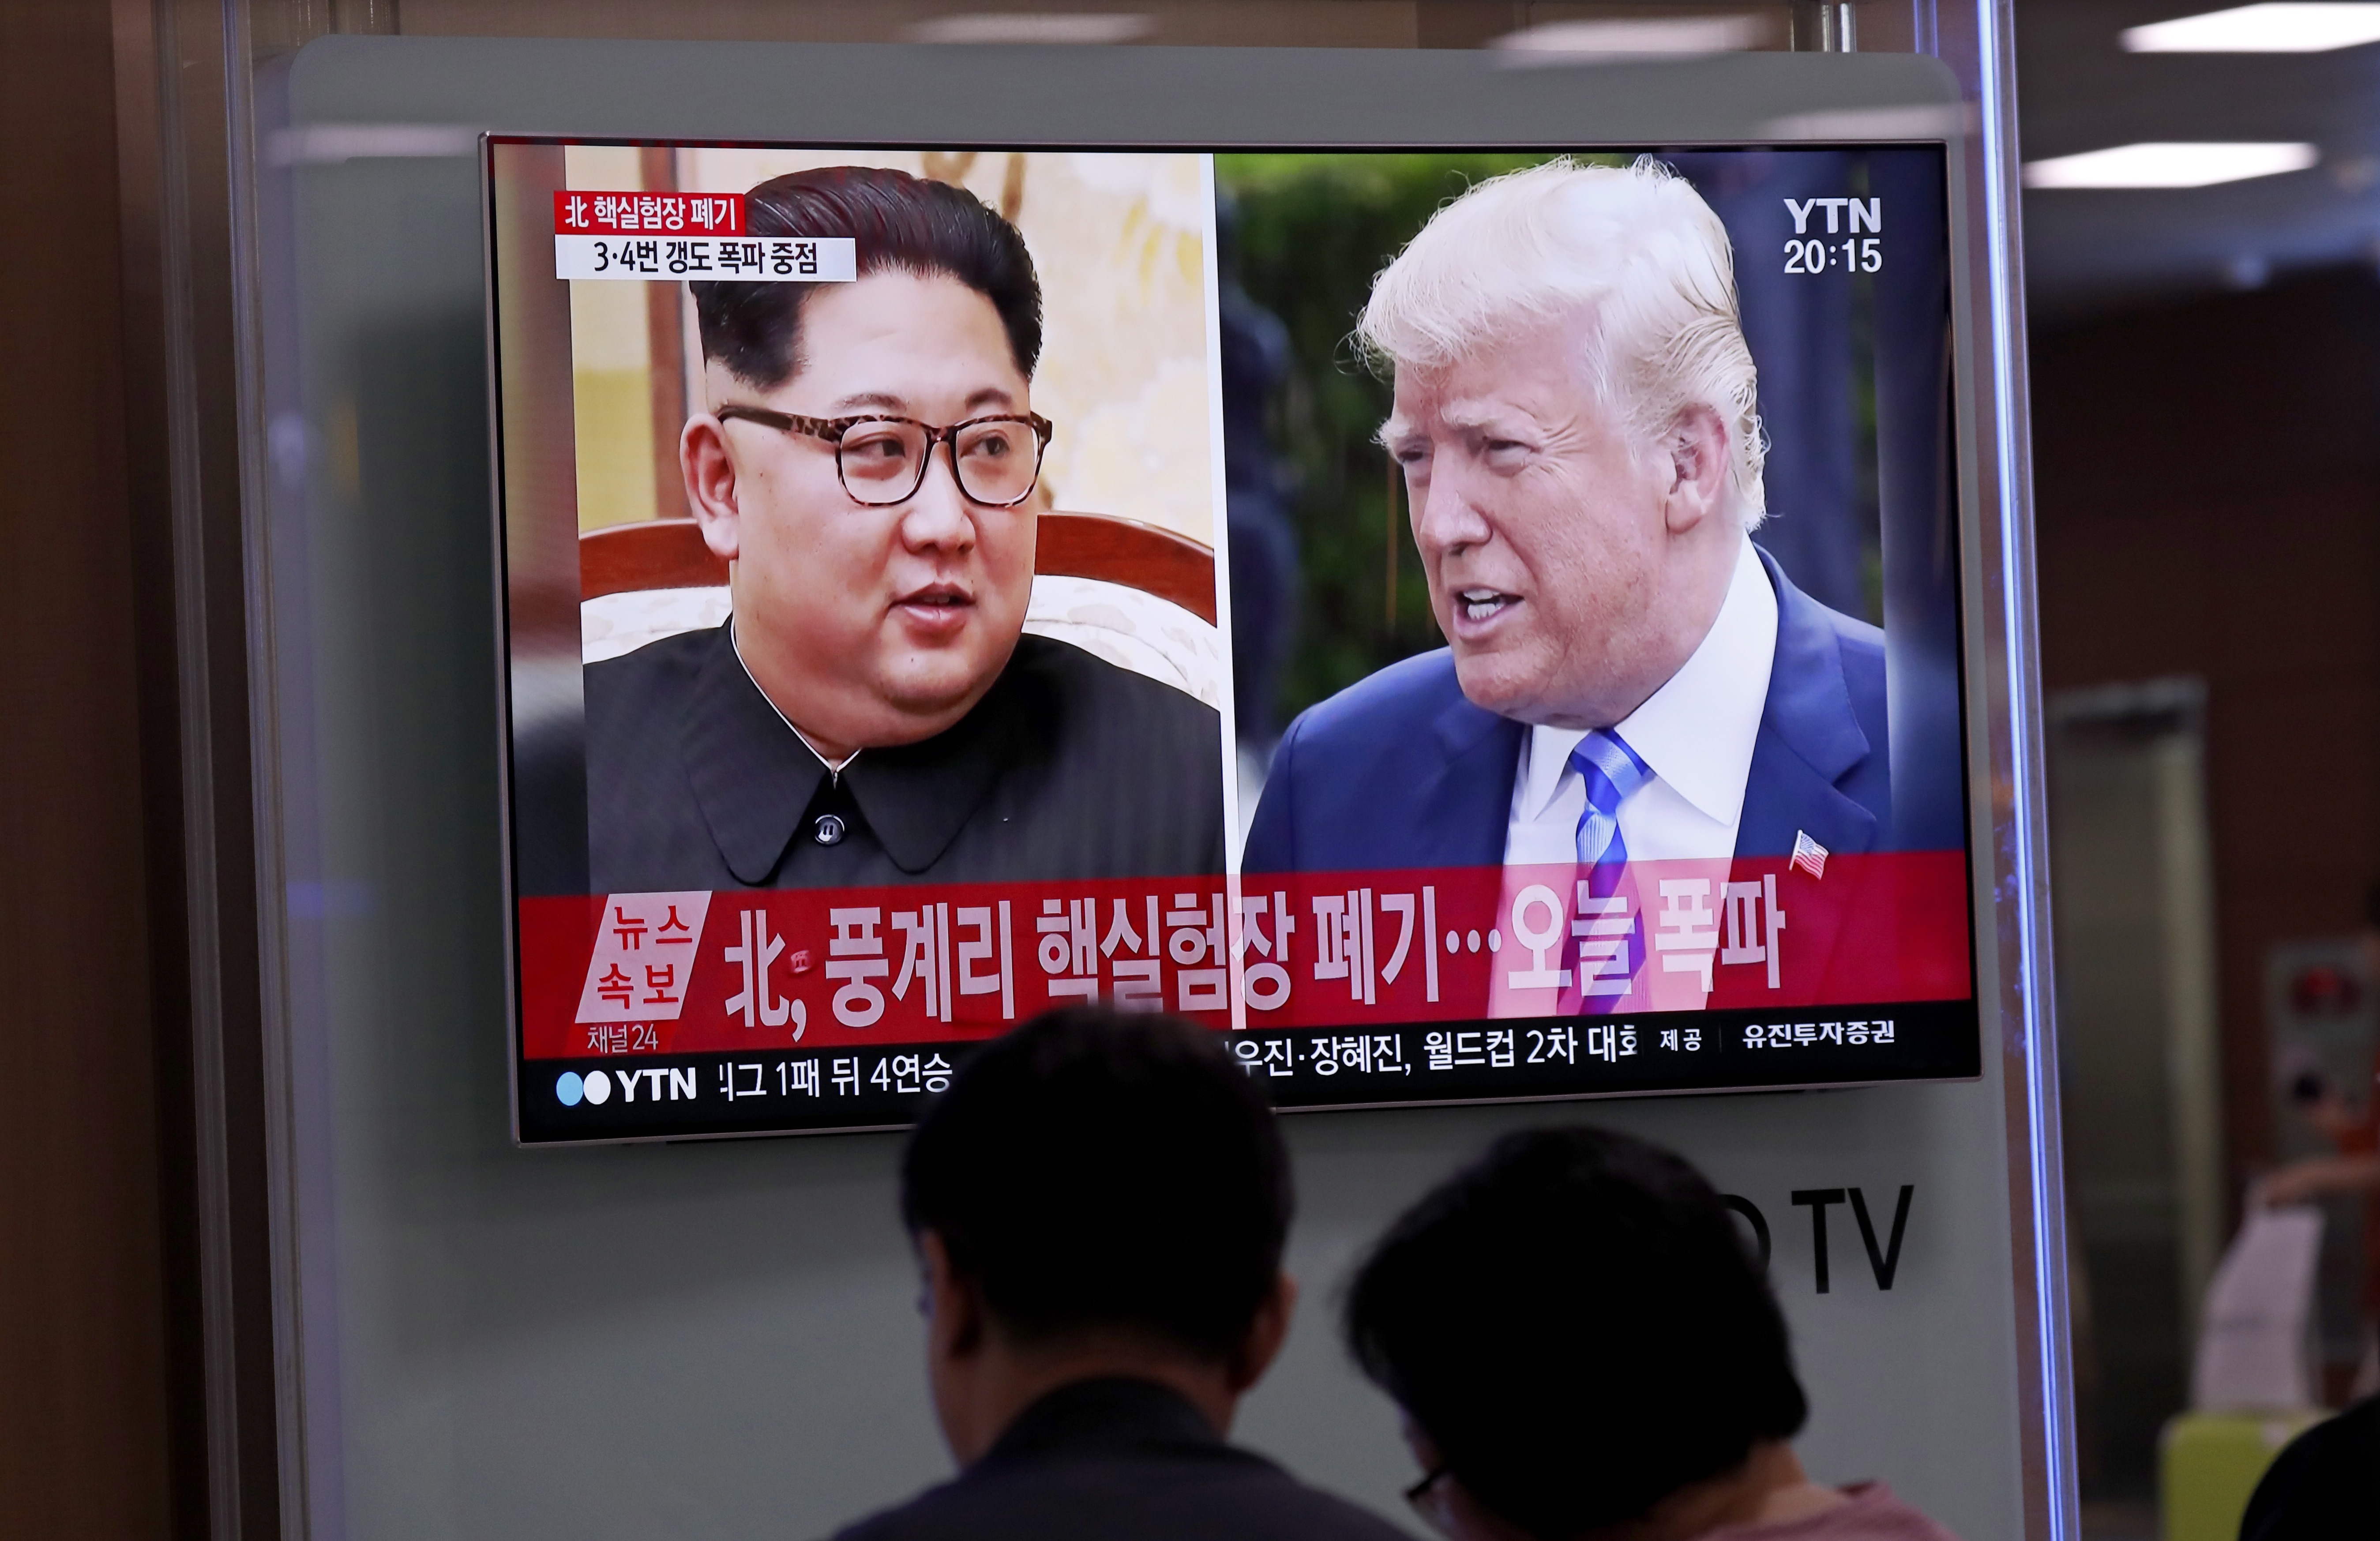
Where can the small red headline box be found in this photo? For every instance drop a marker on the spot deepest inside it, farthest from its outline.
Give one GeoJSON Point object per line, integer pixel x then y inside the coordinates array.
{"type": "Point", "coordinates": [644, 214]}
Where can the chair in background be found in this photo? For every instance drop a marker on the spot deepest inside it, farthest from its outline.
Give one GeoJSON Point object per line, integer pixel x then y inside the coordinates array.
{"type": "Point", "coordinates": [1140, 597]}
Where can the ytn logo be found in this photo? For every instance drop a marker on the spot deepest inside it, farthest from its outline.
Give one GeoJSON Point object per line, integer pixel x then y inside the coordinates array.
{"type": "Point", "coordinates": [1866, 213]}
{"type": "Point", "coordinates": [595, 1087]}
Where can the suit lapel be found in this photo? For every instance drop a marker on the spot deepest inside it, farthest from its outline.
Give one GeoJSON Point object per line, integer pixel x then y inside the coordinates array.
{"type": "Point", "coordinates": [1809, 739]}
{"type": "Point", "coordinates": [1789, 797]}
{"type": "Point", "coordinates": [1465, 810]}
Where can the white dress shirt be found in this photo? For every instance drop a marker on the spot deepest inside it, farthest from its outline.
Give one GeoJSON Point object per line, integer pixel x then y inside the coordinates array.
{"type": "Point", "coordinates": [1695, 733]}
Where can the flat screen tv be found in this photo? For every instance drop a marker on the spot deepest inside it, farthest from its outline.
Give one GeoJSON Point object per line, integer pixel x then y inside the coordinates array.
{"type": "Point", "coordinates": [1465, 625]}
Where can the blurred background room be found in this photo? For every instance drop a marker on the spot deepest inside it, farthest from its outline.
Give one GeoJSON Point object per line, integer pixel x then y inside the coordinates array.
{"type": "Point", "coordinates": [2203, 278]}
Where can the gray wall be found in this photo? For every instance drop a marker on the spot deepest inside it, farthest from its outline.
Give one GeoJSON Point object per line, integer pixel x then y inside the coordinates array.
{"type": "Point", "coordinates": [720, 1339]}
{"type": "Point", "coordinates": [709, 1340]}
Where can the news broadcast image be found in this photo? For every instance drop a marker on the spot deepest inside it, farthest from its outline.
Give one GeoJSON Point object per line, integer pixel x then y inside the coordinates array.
{"type": "Point", "coordinates": [1464, 626]}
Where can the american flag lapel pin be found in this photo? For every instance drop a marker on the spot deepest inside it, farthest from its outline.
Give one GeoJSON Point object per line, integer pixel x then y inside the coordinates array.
{"type": "Point", "coordinates": [1808, 855]}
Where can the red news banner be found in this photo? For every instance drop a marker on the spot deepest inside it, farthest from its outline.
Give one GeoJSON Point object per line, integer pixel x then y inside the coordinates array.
{"type": "Point", "coordinates": [644, 214]}
{"type": "Point", "coordinates": [663, 973]}
{"type": "Point", "coordinates": [669, 236]}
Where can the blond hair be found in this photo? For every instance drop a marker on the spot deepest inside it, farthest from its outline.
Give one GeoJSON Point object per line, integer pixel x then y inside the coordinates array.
{"type": "Point", "coordinates": [1636, 247]}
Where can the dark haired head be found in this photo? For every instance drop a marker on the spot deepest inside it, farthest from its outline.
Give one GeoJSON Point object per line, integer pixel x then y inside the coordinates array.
{"type": "Point", "coordinates": [894, 221]}
{"type": "Point", "coordinates": [1098, 1170]}
{"type": "Point", "coordinates": [1577, 1324]}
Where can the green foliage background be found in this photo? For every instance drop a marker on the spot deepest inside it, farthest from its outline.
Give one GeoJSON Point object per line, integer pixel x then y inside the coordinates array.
{"type": "Point", "coordinates": [1314, 231]}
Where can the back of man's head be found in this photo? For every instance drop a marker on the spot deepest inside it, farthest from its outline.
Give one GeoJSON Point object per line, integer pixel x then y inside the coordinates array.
{"type": "Point", "coordinates": [1575, 1323]}
{"type": "Point", "coordinates": [1097, 1171]}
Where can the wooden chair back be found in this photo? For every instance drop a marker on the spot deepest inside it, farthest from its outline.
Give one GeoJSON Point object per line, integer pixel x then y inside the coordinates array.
{"type": "Point", "coordinates": [670, 554]}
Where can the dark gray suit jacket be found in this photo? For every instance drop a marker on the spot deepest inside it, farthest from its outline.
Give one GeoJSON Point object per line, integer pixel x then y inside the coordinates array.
{"type": "Point", "coordinates": [1069, 768]}
{"type": "Point", "coordinates": [1121, 1461]}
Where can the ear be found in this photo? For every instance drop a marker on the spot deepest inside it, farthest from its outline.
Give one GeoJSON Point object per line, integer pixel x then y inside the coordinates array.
{"type": "Point", "coordinates": [708, 463]}
{"type": "Point", "coordinates": [1696, 446]}
{"type": "Point", "coordinates": [1424, 1448]}
{"type": "Point", "coordinates": [955, 1310]}
{"type": "Point", "coordinates": [960, 1371]}
{"type": "Point", "coordinates": [1262, 1344]}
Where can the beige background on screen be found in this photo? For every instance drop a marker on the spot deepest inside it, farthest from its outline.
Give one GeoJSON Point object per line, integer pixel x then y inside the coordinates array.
{"type": "Point", "coordinates": [1119, 241]}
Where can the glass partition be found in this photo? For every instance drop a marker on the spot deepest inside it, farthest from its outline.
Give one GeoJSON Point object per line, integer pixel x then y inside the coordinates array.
{"type": "Point", "coordinates": [620, 1341]}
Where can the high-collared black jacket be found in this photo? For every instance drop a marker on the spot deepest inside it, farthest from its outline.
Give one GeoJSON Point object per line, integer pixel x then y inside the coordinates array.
{"type": "Point", "coordinates": [1121, 1461]}
{"type": "Point", "coordinates": [1069, 768]}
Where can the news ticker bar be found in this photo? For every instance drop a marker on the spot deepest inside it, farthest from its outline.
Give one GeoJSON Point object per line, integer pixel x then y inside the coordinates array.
{"type": "Point", "coordinates": [783, 1089]}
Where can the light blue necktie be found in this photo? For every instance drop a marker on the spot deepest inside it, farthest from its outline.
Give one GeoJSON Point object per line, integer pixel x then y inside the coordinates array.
{"type": "Point", "coordinates": [1613, 772]}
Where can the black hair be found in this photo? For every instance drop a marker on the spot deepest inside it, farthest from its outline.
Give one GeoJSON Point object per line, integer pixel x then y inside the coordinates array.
{"type": "Point", "coordinates": [1578, 1326]}
{"type": "Point", "coordinates": [894, 219]}
{"type": "Point", "coordinates": [1096, 1168]}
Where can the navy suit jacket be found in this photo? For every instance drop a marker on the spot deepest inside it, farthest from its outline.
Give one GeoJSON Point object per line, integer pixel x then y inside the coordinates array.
{"type": "Point", "coordinates": [1402, 771]}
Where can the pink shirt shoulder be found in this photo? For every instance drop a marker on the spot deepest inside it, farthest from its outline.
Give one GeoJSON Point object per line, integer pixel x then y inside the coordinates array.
{"type": "Point", "coordinates": [1873, 1514]}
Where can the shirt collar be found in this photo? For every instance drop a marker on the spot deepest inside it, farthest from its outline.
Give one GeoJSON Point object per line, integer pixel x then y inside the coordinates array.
{"type": "Point", "coordinates": [832, 768]}
{"type": "Point", "coordinates": [752, 778]}
{"type": "Point", "coordinates": [917, 796]}
{"type": "Point", "coordinates": [1696, 731]}
{"type": "Point", "coordinates": [754, 775]}
{"type": "Point", "coordinates": [1110, 1413]}
{"type": "Point", "coordinates": [1544, 758]}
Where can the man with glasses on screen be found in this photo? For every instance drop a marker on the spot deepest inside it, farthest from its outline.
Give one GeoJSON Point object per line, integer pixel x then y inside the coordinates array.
{"type": "Point", "coordinates": [874, 713]}
{"type": "Point", "coordinates": [1628, 677]}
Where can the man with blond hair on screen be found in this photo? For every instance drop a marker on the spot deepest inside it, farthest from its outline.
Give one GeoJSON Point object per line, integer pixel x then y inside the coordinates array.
{"type": "Point", "coordinates": [1628, 677]}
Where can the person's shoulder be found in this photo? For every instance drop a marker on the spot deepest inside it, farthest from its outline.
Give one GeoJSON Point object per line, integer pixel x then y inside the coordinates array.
{"type": "Point", "coordinates": [1291, 1509]}
{"type": "Point", "coordinates": [1861, 648]}
{"type": "Point", "coordinates": [938, 1511]}
{"type": "Point", "coordinates": [1350, 779]}
{"type": "Point", "coordinates": [2325, 1482]}
{"type": "Point", "coordinates": [1798, 613]}
{"type": "Point", "coordinates": [1815, 641]}
{"type": "Point", "coordinates": [1874, 1514]}
{"type": "Point", "coordinates": [1090, 711]}
{"type": "Point", "coordinates": [1173, 1497]}
{"type": "Point", "coordinates": [1388, 704]}
{"type": "Point", "coordinates": [1856, 638]}
{"type": "Point", "coordinates": [1884, 1515]}
{"type": "Point", "coordinates": [1085, 679]}
{"type": "Point", "coordinates": [665, 666]}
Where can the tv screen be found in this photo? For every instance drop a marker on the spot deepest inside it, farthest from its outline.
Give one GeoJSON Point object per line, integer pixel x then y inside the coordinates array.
{"type": "Point", "coordinates": [1464, 625]}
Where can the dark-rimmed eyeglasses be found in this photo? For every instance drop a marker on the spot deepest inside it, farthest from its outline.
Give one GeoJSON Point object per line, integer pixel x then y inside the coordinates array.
{"type": "Point", "coordinates": [1428, 1499]}
{"type": "Point", "coordinates": [883, 460]}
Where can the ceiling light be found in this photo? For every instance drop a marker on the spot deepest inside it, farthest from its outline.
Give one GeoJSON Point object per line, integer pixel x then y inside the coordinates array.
{"type": "Point", "coordinates": [2169, 165]}
{"type": "Point", "coordinates": [1568, 42]}
{"type": "Point", "coordinates": [2270, 28]}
